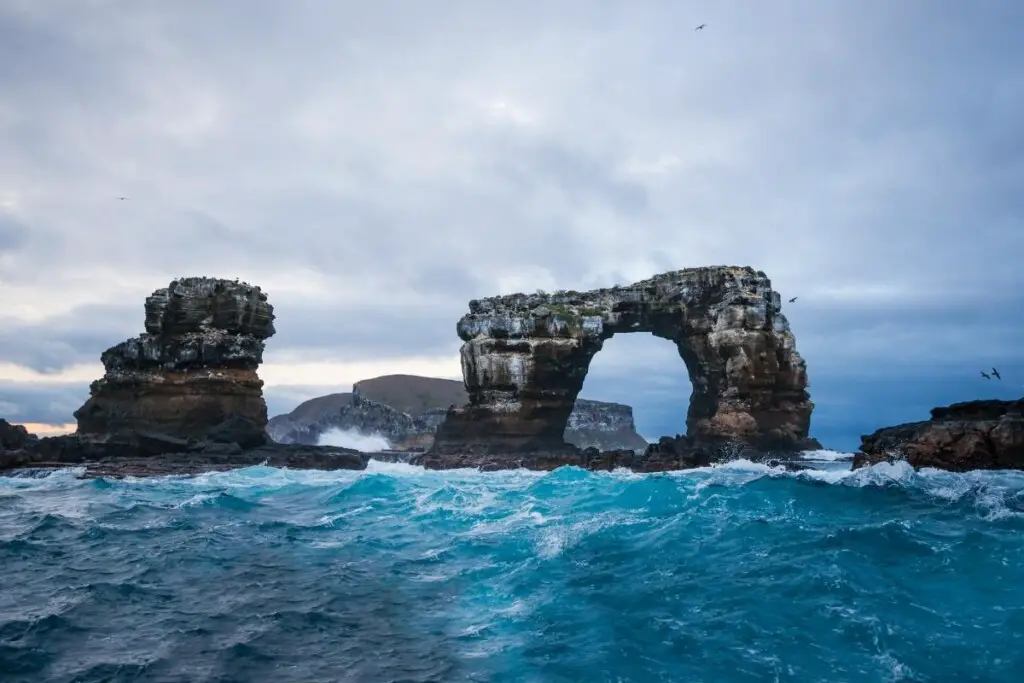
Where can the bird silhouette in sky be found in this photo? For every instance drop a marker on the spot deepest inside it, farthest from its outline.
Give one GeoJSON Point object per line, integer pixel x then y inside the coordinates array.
{"type": "Point", "coordinates": [122, 198]}
{"type": "Point", "coordinates": [700, 28]}
{"type": "Point", "coordinates": [793, 299]}
{"type": "Point", "coordinates": [986, 376]}
{"type": "Point", "coordinates": [995, 373]}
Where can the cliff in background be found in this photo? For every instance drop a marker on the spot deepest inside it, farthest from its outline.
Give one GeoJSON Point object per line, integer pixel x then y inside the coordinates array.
{"type": "Point", "coordinates": [407, 409]}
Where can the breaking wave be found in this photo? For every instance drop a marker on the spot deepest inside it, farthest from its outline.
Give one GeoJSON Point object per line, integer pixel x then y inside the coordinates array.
{"type": "Point", "coordinates": [739, 572]}
{"type": "Point", "coordinates": [353, 438]}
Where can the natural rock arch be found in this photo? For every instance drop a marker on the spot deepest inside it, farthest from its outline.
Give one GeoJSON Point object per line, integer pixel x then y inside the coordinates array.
{"type": "Point", "coordinates": [525, 358]}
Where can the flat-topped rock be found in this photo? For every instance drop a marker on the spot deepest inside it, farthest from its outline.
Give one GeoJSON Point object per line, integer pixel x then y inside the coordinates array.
{"type": "Point", "coordinates": [525, 357]}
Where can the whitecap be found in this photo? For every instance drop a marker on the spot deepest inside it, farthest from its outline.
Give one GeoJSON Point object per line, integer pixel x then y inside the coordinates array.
{"type": "Point", "coordinates": [826, 455]}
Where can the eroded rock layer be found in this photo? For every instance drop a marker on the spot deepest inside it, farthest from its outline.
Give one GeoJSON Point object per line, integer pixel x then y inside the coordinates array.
{"type": "Point", "coordinates": [525, 357]}
{"type": "Point", "coordinates": [960, 437]}
{"type": "Point", "coordinates": [193, 368]}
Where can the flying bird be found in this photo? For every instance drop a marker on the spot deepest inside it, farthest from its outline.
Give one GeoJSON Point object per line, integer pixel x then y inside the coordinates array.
{"type": "Point", "coordinates": [996, 374]}
{"type": "Point", "coordinates": [700, 27]}
{"type": "Point", "coordinates": [793, 299]}
{"type": "Point", "coordinates": [122, 198]}
{"type": "Point", "coordinates": [985, 375]}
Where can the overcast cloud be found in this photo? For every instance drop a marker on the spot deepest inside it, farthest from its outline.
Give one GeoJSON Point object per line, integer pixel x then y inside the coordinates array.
{"type": "Point", "coordinates": [374, 166]}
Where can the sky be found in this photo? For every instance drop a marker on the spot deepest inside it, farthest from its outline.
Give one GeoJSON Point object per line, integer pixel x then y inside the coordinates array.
{"type": "Point", "coordinates": [374, 166]}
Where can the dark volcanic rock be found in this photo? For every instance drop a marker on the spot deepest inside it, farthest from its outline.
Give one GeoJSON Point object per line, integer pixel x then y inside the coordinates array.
{"type": "Point", "coordinates": [407, 410]}
{"type": "Point", "coordinates": [545, 460]}
{"type": "Point", "coordinates": [149, 454]}
{"type": "Point", "coordinates": [525, 357]}
{"type": "Point", "coordinates": [194, 367]}
{"type": "Point", "coordinates": [668, 455]}
{"type": "Point", "coordinates": [14, 437]}
{"type": "Point", "coordinates": [963, 436]}
{"type": "Point", "coordinates": [240, 430]}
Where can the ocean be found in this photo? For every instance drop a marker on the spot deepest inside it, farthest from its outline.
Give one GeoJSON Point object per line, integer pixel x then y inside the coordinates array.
{"type": "Point", "coordinates": [734, 573]}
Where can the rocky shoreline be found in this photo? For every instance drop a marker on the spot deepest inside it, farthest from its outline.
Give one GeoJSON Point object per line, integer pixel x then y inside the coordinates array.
{"type": "Point", "coordinates": [151, 453]}
{"type": "Point", "coordinates": [142, 454]}
{"type": "Point", "coordinates": [185, 397]}
{"type": "Point", "coordinates": [668, 455]}
{"type": "Point", "coordinates": [973, 435]}
{"type": "Point", "coordinates": [964, 436]}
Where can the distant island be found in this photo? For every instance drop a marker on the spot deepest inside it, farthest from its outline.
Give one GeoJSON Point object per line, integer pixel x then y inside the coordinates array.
{"type": "Point", "coordinates": [404, 411]}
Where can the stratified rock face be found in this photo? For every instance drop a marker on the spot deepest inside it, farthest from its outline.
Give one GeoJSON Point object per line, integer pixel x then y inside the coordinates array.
{"type": "Point", "coordinates": [193, 368]}
{"type": "Point", "coordinates": [604, 426]}
{"type": "Point", "coordinates": [525, 358]}
{"type": "Point", "coordinates": [960, 437]}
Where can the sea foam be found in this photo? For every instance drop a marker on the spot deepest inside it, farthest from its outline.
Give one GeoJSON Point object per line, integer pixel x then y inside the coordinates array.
{"type": "Point", "coordinates": [735, 572]}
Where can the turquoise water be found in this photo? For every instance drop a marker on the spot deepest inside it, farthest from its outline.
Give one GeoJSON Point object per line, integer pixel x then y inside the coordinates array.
{"type": "Point", "coordinates": [736, 573]}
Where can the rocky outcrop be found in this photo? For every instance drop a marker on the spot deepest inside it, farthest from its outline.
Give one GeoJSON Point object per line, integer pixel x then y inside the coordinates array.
{"type": "Point", "coordinates": [964, 436]}
{"type": "Point", "coordinates": [149, 454]}
{"type": "Point", "coordinates": [193, 368]}
{"type": "Point", "coordinates": [407, 410]}
{"type": "Point", "coordinates": [14, 437]}
{"type": "Point", "coordinates": [182, 397]}
{"type": "Point", "coordinates": [525, 357]}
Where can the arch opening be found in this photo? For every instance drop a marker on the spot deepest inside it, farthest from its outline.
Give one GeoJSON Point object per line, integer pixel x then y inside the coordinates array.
{"type": "Point", "coordinates": [646, 386]}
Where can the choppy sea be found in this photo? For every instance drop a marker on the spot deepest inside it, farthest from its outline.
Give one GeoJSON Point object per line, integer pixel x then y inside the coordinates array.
{"type": "Point", "coordinates": [733, 573]}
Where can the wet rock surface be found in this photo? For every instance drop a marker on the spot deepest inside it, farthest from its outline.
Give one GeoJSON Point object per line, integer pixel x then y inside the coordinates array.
{"type": "Point", "coordinates": [959, 437]}
{"type": "Point", "coordinates": [670, 454]}
{"type": "Point", "coordinates": [525, 357]}
{"type": "Point", "coordinates": [153, 453]}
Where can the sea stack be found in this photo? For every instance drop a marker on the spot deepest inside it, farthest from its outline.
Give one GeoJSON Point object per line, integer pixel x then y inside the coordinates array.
{"type": "Point", "coordinates": [193, 368]}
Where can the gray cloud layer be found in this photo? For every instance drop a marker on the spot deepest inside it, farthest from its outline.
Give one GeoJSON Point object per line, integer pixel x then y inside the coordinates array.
{"type": "Point", "coordinates": [381, 164]}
